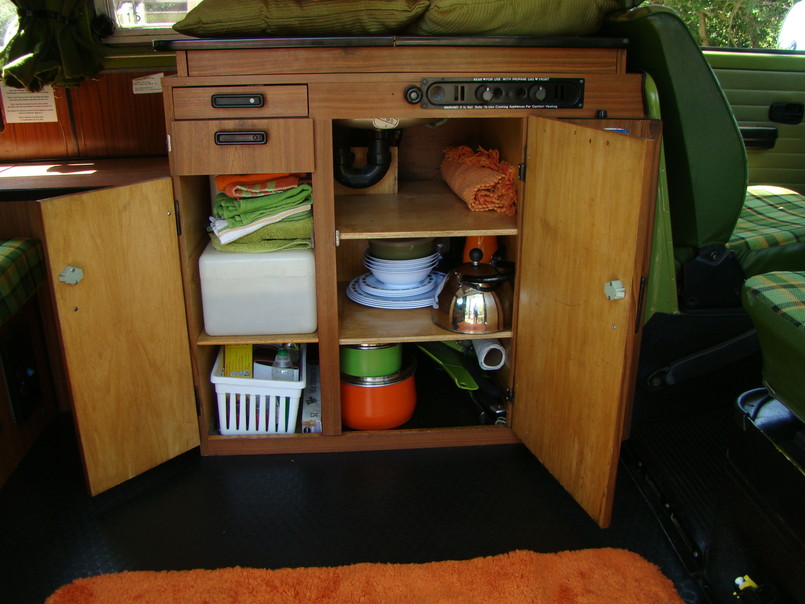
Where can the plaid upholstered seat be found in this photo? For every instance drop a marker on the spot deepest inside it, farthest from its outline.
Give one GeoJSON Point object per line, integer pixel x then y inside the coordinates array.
{"type": "Point", "coordinates": [776, 304]}
{"type": "Point", "coordinates": [22, 269]}
{"type": "Point", "coordinates": [771, 216]}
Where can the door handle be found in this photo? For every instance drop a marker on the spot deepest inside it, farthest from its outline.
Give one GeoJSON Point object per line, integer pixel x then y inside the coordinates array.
{"type": "Point", "coordinates": [759, 137]}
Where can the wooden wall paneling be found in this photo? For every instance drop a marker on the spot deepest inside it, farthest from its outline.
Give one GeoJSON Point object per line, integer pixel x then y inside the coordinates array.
{"type": "Point", "coordinates": [21, 142]}
{"type": "Point", "coordinates": [111, 121]}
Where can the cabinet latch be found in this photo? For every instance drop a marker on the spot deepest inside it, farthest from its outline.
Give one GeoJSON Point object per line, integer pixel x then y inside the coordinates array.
{"type": "Point", "coordinates": [72, 275]}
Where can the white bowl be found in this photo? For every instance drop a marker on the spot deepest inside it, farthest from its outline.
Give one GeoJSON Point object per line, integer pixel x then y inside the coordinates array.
{"type": "Point", "coordinates": [401, 269]}
{"type": "Point", "coordinates": [369, 258]}
{"type": "Point", "coordinates": [401, 278]}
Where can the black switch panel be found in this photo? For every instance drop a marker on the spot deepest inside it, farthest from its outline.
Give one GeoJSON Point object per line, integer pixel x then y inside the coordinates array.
{"type": "Point", "coordinates": [503, 93]}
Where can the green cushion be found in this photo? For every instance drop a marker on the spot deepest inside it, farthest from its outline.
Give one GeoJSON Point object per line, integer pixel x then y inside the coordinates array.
{"type": "Point", "coordinates": [771, 216]}
{"type": "Point", "coordinates": [22, 269]}
{"type": "Point", "coordinates": [515, 17]}
{"type": "Point", "coordinates": [259, 18]}
{"type": "Point", "coordinates": [776, 304]}
{"type": "Point", "coordinates": [770, 233]}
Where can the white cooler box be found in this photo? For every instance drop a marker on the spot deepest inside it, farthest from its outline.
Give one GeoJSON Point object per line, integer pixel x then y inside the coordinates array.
{"type": "Point", "coordinates": [247, 294]}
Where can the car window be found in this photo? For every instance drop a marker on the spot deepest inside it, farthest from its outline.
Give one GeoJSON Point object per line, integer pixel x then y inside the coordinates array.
{"type": "Point", "coordinates": [743, 23]}
{"type": "Point", "coordinates": [792, 33]}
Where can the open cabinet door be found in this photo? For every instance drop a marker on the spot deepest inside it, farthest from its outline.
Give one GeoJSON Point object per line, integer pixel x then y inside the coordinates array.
{"type": "Point", "coordinates": [586, 221]}
{"type": "Point", "coordinates": [122, 327]}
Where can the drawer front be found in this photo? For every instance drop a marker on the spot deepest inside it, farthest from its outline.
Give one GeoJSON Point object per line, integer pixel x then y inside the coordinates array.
{"type": "Point", "coordinates": [232, 102]}
{"type": "Point", "coordinates": [241, 146]}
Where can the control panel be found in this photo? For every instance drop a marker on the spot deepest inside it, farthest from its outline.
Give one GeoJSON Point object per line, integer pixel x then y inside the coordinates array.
{"type": "Point", "coordinates": [503, 93]}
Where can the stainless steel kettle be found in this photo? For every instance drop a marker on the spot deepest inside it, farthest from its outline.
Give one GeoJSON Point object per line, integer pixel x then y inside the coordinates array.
{"type": "Point", "coordinates": [474, 298]}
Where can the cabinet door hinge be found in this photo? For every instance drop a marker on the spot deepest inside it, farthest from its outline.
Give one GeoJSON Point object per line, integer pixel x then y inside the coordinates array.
{"type": "Point", "coordinates": [337, 238]}
{"type": "Point", "coordinates": [510, 395]}
{"type": "Point", "coordinates": [198, 404]}
{"type": "Point", "coordinates": [521, 169]}
{"type": "Point", "coordinates": [168, 141]}
{"type": "Point", "coordinates": [177, 218]}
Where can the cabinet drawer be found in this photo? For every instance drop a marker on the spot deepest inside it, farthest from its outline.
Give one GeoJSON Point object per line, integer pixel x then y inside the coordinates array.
{"type": "Point", "coordinates": [230, 102]}
{"type": "Point", "coordinates": [242, 146]}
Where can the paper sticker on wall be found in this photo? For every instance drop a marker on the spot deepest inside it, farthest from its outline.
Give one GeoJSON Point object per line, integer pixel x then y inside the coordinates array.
{"type": "Point", "coordinates": [23, 107]}
{"type": "Point", "coordinates": [150, 84]}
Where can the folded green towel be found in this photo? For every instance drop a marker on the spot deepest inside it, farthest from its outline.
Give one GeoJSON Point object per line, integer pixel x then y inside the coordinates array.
{"type": "Point", "coordinates": [263, 245]}
{"type": "Point", "coordinates": [284, 235]}
{"type": "Point", "coordinates": [242, 211]}
{"type": "Point", "coordinates": [284, 229]}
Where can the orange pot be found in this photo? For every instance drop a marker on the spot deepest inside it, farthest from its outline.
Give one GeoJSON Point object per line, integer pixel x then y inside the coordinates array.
{"type": "Point", "coordinates": [378, 403]}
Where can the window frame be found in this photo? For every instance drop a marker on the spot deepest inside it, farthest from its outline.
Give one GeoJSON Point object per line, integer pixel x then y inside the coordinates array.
{"type": "Point", "coordinates": [132, 35]}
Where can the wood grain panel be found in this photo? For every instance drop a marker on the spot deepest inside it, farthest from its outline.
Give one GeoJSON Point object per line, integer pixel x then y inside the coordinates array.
{"type": "Point", "coordinates": [123, 328]}
{"type": "Point", "coordinates": [470, 436]}
{"type": "Point", "coordinates": [420, 209]}
{"type": "Point", "coordinates": [111, 121]}
{"type": "Point", "coordinates": [277, 101]}
{"type": "Point", "coordinates": [20, 142]}
{"type": "Point", "coordinates": [619, 95]}
{"type": "Point", "coordinates": [326, 283]}
{"type": "Point", "coordinates": [289, 147]}
{"type": "Point", "coordinates": [584, 224]}
{"type": "Point", "coordinates": [52, 176]}
{"type": "Point", "coordinates": [402, 59]}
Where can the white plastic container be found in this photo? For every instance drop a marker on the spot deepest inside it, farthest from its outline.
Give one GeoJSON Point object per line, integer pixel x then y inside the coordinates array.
{"type": "Point", "coordinates": [252, 406]}
{"type": "Point", "coordinates": [247, 294]}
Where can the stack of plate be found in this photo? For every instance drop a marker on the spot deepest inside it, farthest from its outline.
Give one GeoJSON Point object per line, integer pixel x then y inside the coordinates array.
{"type": "Point", "coordinates": [396, 283]}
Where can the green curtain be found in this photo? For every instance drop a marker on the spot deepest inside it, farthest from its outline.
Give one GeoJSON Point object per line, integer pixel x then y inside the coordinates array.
{"type": "Point", "coordinates": [53, 45]}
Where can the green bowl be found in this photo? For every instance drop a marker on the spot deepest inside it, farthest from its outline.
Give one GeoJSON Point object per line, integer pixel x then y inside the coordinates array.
{"type": "Point", "coordinates": [402, 249]}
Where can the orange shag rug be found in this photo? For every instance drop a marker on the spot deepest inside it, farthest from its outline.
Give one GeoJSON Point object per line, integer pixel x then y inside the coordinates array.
{"type": "Point", "coordinates": [573, 577]}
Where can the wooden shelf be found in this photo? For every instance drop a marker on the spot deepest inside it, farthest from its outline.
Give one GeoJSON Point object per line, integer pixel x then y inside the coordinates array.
{"type": "Point", "coordinates": [419, 209]}
{"type": "Point", "coordinates": [204, 339]}
{"type": "Point", "coordinates": [362, 324]}
{"type": "Point", "coordinates": [360, 441]}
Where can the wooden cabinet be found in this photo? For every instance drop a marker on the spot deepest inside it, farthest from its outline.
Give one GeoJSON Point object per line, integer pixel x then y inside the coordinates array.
{"type": "Point", "coordinates": [584, 216]}
{"type": "Point", "coordinates": [114, 287]}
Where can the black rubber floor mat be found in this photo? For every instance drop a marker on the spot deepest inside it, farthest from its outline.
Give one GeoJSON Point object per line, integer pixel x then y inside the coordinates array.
{"type": "Point", "coordinates": [680, 465]}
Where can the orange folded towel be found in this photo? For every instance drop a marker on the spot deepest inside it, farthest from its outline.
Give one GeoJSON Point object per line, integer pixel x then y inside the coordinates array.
{"type": "Point", "coordinates": [222, 181]}
{"type": "Point", "coordinates": [480, 178]}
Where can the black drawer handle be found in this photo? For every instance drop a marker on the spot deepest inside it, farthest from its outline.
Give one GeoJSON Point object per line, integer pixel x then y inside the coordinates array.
{"type": "Point", "coordinates": [224, 101]}
{"type": "Point", "coordinates": [241, 137]}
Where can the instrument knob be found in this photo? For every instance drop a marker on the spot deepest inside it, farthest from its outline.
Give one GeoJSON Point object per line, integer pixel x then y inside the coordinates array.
{"type": "Point", "coordinates": [484, 93]}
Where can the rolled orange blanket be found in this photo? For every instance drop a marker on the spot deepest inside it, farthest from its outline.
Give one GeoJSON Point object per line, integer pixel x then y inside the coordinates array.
{"type": "Point", "coordinates": [480, 178]}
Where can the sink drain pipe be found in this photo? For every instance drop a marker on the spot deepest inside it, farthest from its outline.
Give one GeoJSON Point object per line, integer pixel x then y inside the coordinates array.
{"type": "Point", "coordinates": [378, 160]}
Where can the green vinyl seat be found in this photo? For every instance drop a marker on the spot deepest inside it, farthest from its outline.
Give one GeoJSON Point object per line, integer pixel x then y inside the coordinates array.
{"type": "Point", "coordinates": [776, 304]}
{"type": "Point", "coordinates": [722, 230]}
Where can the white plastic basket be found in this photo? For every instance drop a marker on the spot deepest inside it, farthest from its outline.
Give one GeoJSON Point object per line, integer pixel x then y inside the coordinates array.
{"type": "Point", "coordinates": [252, 406]}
